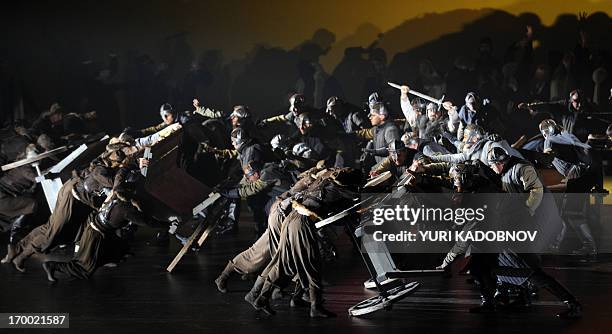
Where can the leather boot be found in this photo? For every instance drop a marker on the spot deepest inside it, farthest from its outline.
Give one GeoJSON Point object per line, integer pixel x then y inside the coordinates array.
{"type": "Point", "coordinates": [221, 281]}
{"type": "Point", "coordinates": [540, 278]}
{"type": "Point", "coordinates": [316, 305]}
{"type": "Point", "coordinates": [255, 291]}
{"type": "Point", "coordinates": [262, 303]}
{"type": "Point", "coordinates": [588, 241]}
{"type": "Point", "coordinates": [297, 299]}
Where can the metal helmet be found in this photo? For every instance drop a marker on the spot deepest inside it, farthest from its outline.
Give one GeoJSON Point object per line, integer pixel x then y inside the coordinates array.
{"type": "Point", "coordinates": [241, 112]}
{"type": "Point", "coordinates": [296, 103]}
{"type": "Point", "coordinates": [165, 109]}
{"type": "Point", "coordinates": [239, 137]}
{"type": "Point", "coordinates": [431, 106]}
{"type": "Point", "coordinates": [396, 146]}
{"type": "Point", "coordinates": [472, 97]}
{"type": "Point", "coordinates": [279, 142]}
{"type": "Point", "coordinates": [410, 138]}
{"type": "Point", "coordinates": [497, 154]}
{"type": "Point", "coordinates": [373, 99]}
{"type": "Point", "coordinates": [302, 150]}
{"type": "Point", "coordinates": [379, 108]}
{"type": "Point", "coordinates": [304, 121]}
{"type": "Point", "coordinates": [252, 167]}
{"type": "Point", "coordinates": [332, 102]}
{"type": "Point", "coordinates": [548, 127]}
{"type": "Point", "coordinates": [418, 104]}
{"type": "Point", "coordinates": [473, 131]}
{"type": "Point", "coordinates": [377, 105]}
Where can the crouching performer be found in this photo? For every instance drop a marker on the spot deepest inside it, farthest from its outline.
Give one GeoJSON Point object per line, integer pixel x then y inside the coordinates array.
{"type": "Point", "coordinates": [98, 241]}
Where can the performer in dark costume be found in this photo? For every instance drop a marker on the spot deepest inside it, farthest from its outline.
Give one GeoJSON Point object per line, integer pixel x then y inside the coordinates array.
{"type": "Point", "coordinates": [518, 176]}
{"type": "Point", "coordinates": [97, 243]}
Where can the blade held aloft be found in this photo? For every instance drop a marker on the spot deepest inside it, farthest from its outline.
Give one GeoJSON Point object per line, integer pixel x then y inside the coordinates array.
{"type": "Point", "coordinates": [419, 94]}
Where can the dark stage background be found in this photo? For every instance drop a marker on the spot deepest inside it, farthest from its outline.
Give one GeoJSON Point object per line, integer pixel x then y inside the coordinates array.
{"type": "Point", "coordinates": [125, 58]}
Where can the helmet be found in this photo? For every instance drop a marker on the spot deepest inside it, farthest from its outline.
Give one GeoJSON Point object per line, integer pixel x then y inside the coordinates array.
{"type": "Point", "coordinates": [378, 109]}
{"type": "Point", "coordinates": [473, 131]}
{"type": "Point", "coordinates": [410, 138]}
{"type": "Point", "coordinates": [252, 167]}
{"type": "Point", "coordinates": [396, 146]}
{"type": "Point", "coordinates": [373, 99]}
{"type": "Point", "coordinates": [548, 127]}
{"type": "Point", "coordinates": [279, 142]}
{"type": "Point", "coordinates": [431, 106]}
{"type": "Point", "coordinates": [239, 137]}
{"type": "Point", "coordinates": [331, 103]}
{"type": "Point", "coordinates": [296, 103]}
{"type": "Point", "coordinates": [472, 97]}
{"type": "Point", "coordinates": [165, 109]}
{"type": "Point", "coordinates": [240, 112]}
{"type": "Point", "coordinates": [497, 154]}
{"type": "Point", "coordinates": [302, 150]}
{"type": "Point", "coordinates": [304, 121]}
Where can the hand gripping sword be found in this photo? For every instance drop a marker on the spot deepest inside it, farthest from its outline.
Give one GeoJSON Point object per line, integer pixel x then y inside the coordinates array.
{"type": "Point", "coordinates": [421, 95]}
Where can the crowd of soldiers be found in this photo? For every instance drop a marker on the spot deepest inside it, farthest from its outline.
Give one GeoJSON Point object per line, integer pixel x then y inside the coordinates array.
{"type": "Point", "coordinates": [315, 167]}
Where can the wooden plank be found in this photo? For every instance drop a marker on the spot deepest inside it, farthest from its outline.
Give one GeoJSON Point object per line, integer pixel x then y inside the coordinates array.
{"type": "Point", "coordinates": [186, 246]}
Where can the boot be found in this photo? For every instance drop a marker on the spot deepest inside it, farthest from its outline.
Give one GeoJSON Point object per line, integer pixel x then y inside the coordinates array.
{"type": "Point", "coordinates": [49, 268]}
{"type": "Point", "coordinates": [262, 303]}
{"type": "Point", "coordinates": [297, 299]}
{"type": "Point", "coordinates": [10, 254]}
{"type": "Point", "coordinates": [487, 305]}
{"type": "Point", "coordinates": [487, 290]}
{"type": "Point", "coordinates": [316, 305]}
{"type": "Point", "coordinates": [588, 241]}
{"type": "Point", "coordinates": [574, 311]}
{"type": "Point", "coordinates": [221, 281]}
{"type": "Point", "coordinates": [255, 291]}
{"type": "Point", "coordinates": [540, 278]}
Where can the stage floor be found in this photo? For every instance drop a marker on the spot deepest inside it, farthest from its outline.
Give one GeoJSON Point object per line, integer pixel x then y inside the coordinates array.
{"type": "Point", "coordinates": [139, 296]}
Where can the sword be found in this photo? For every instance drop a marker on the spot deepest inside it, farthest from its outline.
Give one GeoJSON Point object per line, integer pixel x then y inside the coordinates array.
{"type": "Point", "coordinates": [341, 214]}
{"type": "Point", "coordinates": [421, 95]}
